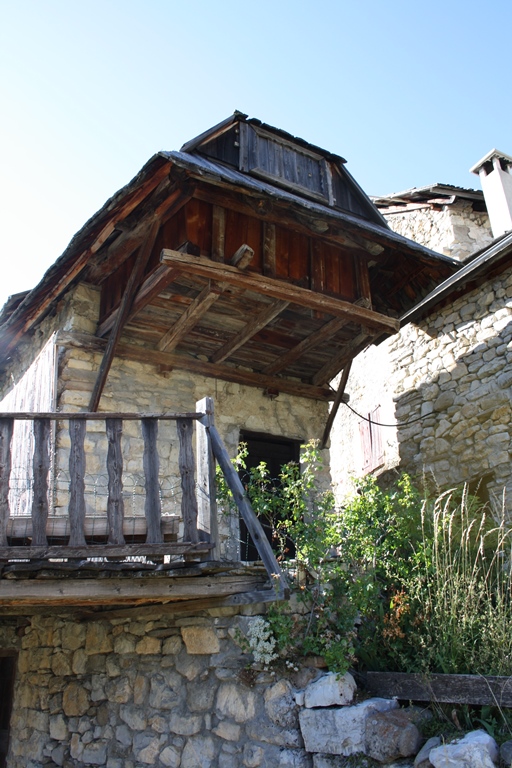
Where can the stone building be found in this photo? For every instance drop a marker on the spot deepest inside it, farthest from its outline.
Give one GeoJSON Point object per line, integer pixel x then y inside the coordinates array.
{"type": "Point", "coordinates": [244, 271]}
{"type": "Point", "coordinates": [441, 388]}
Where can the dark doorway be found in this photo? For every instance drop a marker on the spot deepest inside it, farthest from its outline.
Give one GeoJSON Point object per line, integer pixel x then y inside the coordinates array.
{"type": "Point", "coordinates": [274, 451]}
{"type": "Point", "coordinates": [7, 673]}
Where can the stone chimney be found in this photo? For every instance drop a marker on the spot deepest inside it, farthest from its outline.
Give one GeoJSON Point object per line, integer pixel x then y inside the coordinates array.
{"type": "Point", "coordinates": [495, 176]}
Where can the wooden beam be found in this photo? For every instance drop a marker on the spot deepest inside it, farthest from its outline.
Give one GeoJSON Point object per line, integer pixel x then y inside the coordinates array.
{"type": "Point", "coordinates": [188, 363]}
{"type": "Point", "coordinates": [451, 689]}
{"type": "Point", "coordinates": [269, 249]}
{"type": "Point", "coordinates": [77, 340]}
{"type": "Point", "coordinates": [336, 404]}
{"type": "Point", "coordinates": [334, 366]}
{"type": "Point", "coordinates": [278, 289]}
{"type": "Point", "coordinates": [122, 315]}
{"type": "Point", "coordinates": [117, 591]}
{"type": "Point", "coordinates": [263, 318]}
{"type": "Point", "coordinates": [218, 232]}
{"type": "Point", "coordinates": [207, 522]}
{"type": "Point", "coordinates": [60, 526]}
{"type": "Point", "coordinates": [326, 332]}
{"type": "Point", "coordinates": [190, 317]}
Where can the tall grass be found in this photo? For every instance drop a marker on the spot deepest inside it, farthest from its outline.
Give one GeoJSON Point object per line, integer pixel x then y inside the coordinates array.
{"type": "Point", "coordinates": [460, 592]}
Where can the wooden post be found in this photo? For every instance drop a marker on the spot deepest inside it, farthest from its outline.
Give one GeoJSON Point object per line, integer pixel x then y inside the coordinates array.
{"type": "Point", "coordinates": [151, 462]}
{"type": "Point", "coordinates": [6, 427]}
{"type": "Point", "coordinates": [247, 512]}
{"type": "Point", "coordinates": [186, 465]}
{"type": "Point", "coordinates": [76, 483]}
{"type": "Point", "coordinates": [41, 465]}
{"type": "Point", "coordinates": [206, 491]}
{"type": "Point", "coordinates": [115, 503]}
{"type": "Point", "coordinates": [336, 404]}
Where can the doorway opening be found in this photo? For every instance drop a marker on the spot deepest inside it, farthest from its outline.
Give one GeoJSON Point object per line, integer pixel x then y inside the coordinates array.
{"type": "Point", "coordinates": [275, 452]}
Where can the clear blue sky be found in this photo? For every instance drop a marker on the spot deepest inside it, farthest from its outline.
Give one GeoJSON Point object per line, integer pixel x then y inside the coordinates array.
{"type": "Point", "coordinates": [410, 93]}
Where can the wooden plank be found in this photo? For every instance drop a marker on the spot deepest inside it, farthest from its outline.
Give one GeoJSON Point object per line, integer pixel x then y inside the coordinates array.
{"type": "Point", "coordinates": [187, 363]}
{"type": "Point", "coordinates": [207, 523]}
{"type": "Point", "coordinates": [325, 333]}
{"type": "Point", "coordinates": [269, 250]}
{"type": "Point", "coordinates": [452, 689]}
{"type": "Point", "coordinates": [6, 428]}
{"type": "Point", "coordinates": [102, 550]}
{"type": "Point", "coordinates": [122, 315]}
{"type": "Point", "coordinates": [115, 502]}
{"type": "Point", "coordinates": [41, 466]}
{"type": "Point", "coordinates": [336, 404]}
{"type": "Point", "coordinates": [178, 607]}
{"type": "Point", "coordinates": [334, 366]}
{"type": "Point", "coordinates": [76, 508]}
{"type": "Point", "coordinates": [363, 281]}
{"type": "Point", "coordinates": [95, 415]}
{"type": "Point", "coordinates": [242, 257]}
{"type": "Point", "coordinates": [218, 232]}
{"type": "Point", "coordinates": [279, 289]}
{"type": "Point", "coordinates": [189, 318]}
{"type": "Point", "coordinates": [263, 318]}
{"type": "Point", "coordinates": [151, 463]}
{"type": "Point", "coordinates": [58, 526]}
{"type": "Point", "coordinates": [188, 485]}
{"type": "Point", "coordinates": [253, 524]}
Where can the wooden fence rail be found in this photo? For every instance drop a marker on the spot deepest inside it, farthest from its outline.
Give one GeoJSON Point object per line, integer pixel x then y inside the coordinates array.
{"type": "Point", "coordinates": [198, 512]}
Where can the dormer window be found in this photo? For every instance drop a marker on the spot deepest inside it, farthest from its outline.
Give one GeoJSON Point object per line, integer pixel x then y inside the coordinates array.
{"type": "Point", "coordinates": [277, 160]}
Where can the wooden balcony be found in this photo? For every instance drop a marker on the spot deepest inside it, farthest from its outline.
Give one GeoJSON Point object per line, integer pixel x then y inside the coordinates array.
{"type": "Point", "coordinates": [138, 547]}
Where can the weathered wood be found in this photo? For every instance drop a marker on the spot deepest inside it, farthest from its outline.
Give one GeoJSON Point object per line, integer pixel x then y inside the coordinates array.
{"type": "Point", "coordinates": [218, 232]}
{"type": "Point", "coordinates": [189, 318]}
{"type": "Point", "coordinates": [115, 502]}
{"type": "Point", "coordinates": [104, 550]}
{"type": "Point", "coordinates": [6, 427]}
{"type": "Point", "coordinates": [247, 512]}
{"type": "Point", "coordinates": [95, 416]}
{"type": "Point", "coordinates": [334, 366]}
{"type": "Point", "coordinates": [452, 689]}
{"type": "Point", "coordinates": [185, 363]}
{"type": "Point", "coordinates": [278, 289]}
{"type": "Point", "coordinates": [186, 606]}
{"type": "Point", "coordinates": [41, 466]}
{"type": "Point", "coordinates": [326, 332]}
{"type": "Point", "coordinates": [58, 526]}
{"type": "Point", "coordinates": [269, 250]}
{"type": "Point", "coordinates": [151, 463]}
{"type": "Point", "coordinates": [263, 318]}
{"type": "Point", "coordinates": [206, 487]}
{"type": "Point", "coordinates": [242, 257]}
{"type": "Point", "coordinates": [363, 281]}
{"type": "Point", "coordinates": [122, 315]}
{"type": "Point", "coordinates": [188, 486]}
{"type": "Point", "coordinates": [76, 483]}
{"type": "Point", "coordinates": [336, 404]}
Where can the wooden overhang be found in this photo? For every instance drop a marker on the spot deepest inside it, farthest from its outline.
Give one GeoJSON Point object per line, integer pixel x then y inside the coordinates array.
{"type": "Point", "coordinates": [251, 257]}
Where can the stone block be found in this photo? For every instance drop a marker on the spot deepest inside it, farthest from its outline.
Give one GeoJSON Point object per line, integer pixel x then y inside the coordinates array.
{"type": "Point", "coordinates": [422, 759]}
{"type": "Point", "coordinates": [200, 640]}
{"type": "Point", "coordinates": [280, 705]}
{"type": "Point", "coordinates": [476, 750]}
{"type": "Point", "coordinates": [340, 731]}
{"type": "Point", "coordinates": [236, 702]}
{"type": "Point", "coordinates": [391, 736]}
{"type": "Point", "coordinates": [199, 752]}
{"type": "Point", "coordinates": [75, 700]}
{"type": "Point", "coordinates": [330, 691]}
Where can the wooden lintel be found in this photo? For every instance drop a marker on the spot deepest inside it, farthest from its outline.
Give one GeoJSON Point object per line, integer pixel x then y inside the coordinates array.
{"type": "Point", "coordinates": [278, 289]}
{"type": "Point", "coordinates": [189, 318]}
{"type": "Point", "coordinates": [124, 309]}
{"type": "Point", "coordinates": [326, 332]}
{"type": "Point", "coordinates": [185, 606]}
{"type": "Point", "coordinates": [334, 366]}
{"type": "Point", "coordinates": [262, 319]}
{"type": "Point", "coordinates": [115, 591]}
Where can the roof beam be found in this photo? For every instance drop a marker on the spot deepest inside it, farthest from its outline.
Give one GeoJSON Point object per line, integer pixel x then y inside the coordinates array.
{"type": "Point", "coordinates": [336, 404]}
{"type": "Point", "coordinates": [122, 315]}
{"type": "Point", "coordinates": [262, 319]}
{"type": "Point", "coordinates": [278, 289]}
{"type": "Point", "coordinates": [326, 332]}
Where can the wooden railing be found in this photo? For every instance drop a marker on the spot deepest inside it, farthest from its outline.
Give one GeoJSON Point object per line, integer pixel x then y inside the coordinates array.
{"type": "Point", "coordinates": [34, 535]}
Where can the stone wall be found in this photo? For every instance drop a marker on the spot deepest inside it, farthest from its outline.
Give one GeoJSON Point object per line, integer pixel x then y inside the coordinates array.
{"type": "Point", "coordinates": [453, 229]}
{"type": "Point", "coordinates": [164, 692]}
{"type": "Point", "coordinates": [448, 380]}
